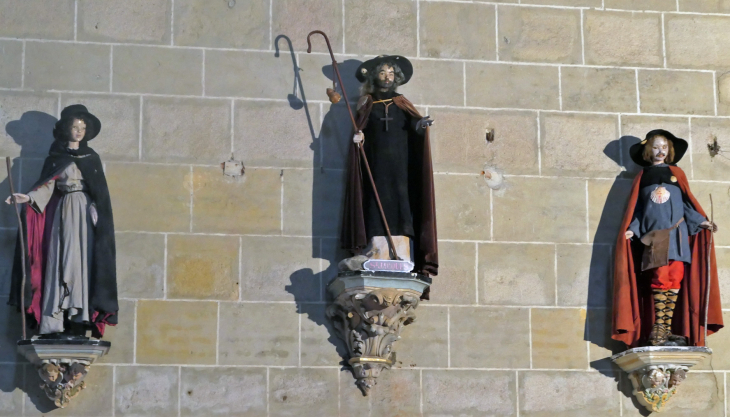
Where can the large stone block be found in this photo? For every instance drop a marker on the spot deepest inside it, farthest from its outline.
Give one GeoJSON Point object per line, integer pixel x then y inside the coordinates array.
{"type": "Point", "coordinates": [95, 401]}
{"type": "Point", "coordinates": [176, 332]}
{"type": "Point", "coordinates": [121, 336]}
{"type": "Point", "coordinates": [607, 201]}
{"type": "Point", "coordinates": [634, 129]}
{"type": "Point", "coordinates": [705, 166]}
{"type": "Point", "coordinates": [585, 275]}
{"type": "Point", "coordinates": [397, 393]}
{"type": "Point", "coordinates": [462, 393]}
{"type": "Point", "coordinates": [677, 92]}
{"type": "Point", "coordinates": [720, 198]}
{"type": "Point", "coordinates": [316, 74]}
{"type": "Point", "coordinates": [458, 140]}
{"type": "Point", "coordinates": [350, 398]}
{"type": "Point", "coordinates": [202, 267]}
{"type": "Point", "coordinates": [140, 265]}
{"type": "Point", "coordinates": [570, 3]}
{"type": "Point", "coordinates": [701, 394]}
{"type": "Point", "coordinates": [512, 86]}
{"type": "Point", "coordinates": [8, 239]}
{"type": "Point", "coordinates": [511, 274]}
{"type": "Point", "coordinates": [424, 343]}
{"type": "Point", "coordinates": [11, 389]}
{"type": "Point", "coordinates": [54, 66]}
{"type": "Point", "coordinates": [220, 25]}
{"type": "Point", "coordinates": [456, 282]}
{"type": "Point", "coordinates": [249, 74]}
{"type": "Point", "coordinates": [146, 391]}
{"type": "Point", "coordinates": [718, 342]}
{"type": "Point", "coordinates": [248, 204]}
{"type": "Point", "coordinates": [428, 87]}
{"type": "Point", "coordinates": [222, 392]}
{"type": "Point", "coordinates": [28, 120]}
{"type": "Point", "coordinates": [454, 30]}
{"type": "Point", "coordinates": [525, 212]}
{"type": "Point", "coordinates": [157, 200]}
{"type": "Point", "coordinates": [274, 134]}
{"type": "Point", "coordinates": [559, 347]}
{"type": "Point", "coordinates": [535, 34]}
{"type": "Point", "coordinates": [697, 41]}
{"type": "Point", "coordinates": [483, 337]}
{"type": "Point", "coordinates": [11, 64]}
{"type": "Point", "coordinates": [599, 89]}
{"type": "Point", "coordinates": [295, 20]}
{"type": "Point", "coordinates": [567, 394]}
{"type": "Point", "coordinates": [704, 6]}
{"type": "Point", "coordinates": [38, 19]}
{"type": "Point", "coordinates": [622, 38]}
{"type": "Point", "coordinates": [723, 94]}
{"type": "Point", "coordinates": [464, 212]}
{"type": "Point", "coordinates": [722, 257]}
{"type": "Point", "coordinates": [136, 21]}
{"type": "Point", "coordinates": [313, 202]}
{"type": "Point", "coordinates": [320, 345]}
{"type": "Point", "coordinates": [395, 21]}
{"type": "Point", "coordinates": [11, 330]}
{"type": "Point", "coordinates": [248, 336]}
{"type": "Point", "coordinates": [149, 69]}
{"type": "Point", "coordinates": [654, 5]}
{"type": "Point", "coordinates": [303, 392]}
{"type": "Point", "coordinates": [571, 145]}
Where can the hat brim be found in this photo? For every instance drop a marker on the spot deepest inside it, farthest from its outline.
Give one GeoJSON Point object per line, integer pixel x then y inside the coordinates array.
{"type": "Point", "coordinates": [370, 65]}
{"type": "Point", "coordinates": [637, 150]}
{"type": "Point", "coordinates": [91, 131]}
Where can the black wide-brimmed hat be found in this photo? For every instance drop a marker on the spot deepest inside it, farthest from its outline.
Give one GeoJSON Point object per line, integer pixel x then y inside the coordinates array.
{"type": "Point", "coordinates": [79, 110]}
{"type": "Point", "coordinates": [370, 65]}
{"type": "Point", "coordinates": [637, 150]}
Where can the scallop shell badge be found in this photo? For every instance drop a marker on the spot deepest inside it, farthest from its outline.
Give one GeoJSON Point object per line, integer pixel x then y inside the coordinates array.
{"type": "Point", "coordinates": [660, 195]}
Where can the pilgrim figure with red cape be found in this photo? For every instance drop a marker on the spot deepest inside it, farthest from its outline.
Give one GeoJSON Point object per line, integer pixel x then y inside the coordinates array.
{"type": "Point", "coordinates": [661, 269]}
{"type": "Point", "coordinates": [69, 233]}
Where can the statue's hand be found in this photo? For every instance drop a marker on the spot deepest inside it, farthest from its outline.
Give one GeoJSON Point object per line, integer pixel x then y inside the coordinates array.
{"type": "Point", "coordinates": [358, 137]}
{"type": "Point", "coordinates": [20, 198]}
{"type": "Point", "coordinates": [424, 123]}
{"type": "Point", "coordinates": [709, 225]}
{"type": "Point", "coordinates": [629, 234]}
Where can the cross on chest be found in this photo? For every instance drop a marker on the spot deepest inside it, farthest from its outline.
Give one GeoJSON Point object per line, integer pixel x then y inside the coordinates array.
{"type": "Point", "coordinates": [386, 119]}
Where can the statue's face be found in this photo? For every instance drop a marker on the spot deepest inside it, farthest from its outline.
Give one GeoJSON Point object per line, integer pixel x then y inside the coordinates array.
{"type": "Point", "coordinates": [386, 77]}
{"type": "Point", "coordinates": [659, 150]}
{"type": "Point", "coordinates": [78, 130]}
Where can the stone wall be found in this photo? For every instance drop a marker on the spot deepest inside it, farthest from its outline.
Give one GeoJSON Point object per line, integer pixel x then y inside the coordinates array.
{"type": "Point", "coordinates": [222, 280]}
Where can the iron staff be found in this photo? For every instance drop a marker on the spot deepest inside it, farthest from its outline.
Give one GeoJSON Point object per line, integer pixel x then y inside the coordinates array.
{"type": "Point", "coordinates": [22, 244]}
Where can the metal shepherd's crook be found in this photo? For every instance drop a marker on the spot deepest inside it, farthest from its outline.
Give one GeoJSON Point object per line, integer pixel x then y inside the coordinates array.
{"type": "Point", "coordinates": [393, 253]}
{"type": "Point", "coordinates": [709, 255]}
{"type": "Point", "coordinates": [22, 244]}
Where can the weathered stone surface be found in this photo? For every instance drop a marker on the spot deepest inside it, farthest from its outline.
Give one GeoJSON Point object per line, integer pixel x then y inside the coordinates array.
{"type": "Point", "coordinates": [121, 336]}
{"type": "Point", "coordinates": [584, 275]}
{"type": "Point", "coordinates": [313, 202]}
{"type": "Point", "coordinates": [7, 256]}
{"type": "Point", "coordinates": [303, 392]}
{"type": "Point", "coordinates": [467, 215]}
{"type": "Point", "coordinates": [571, 3]}
{"type": "Point", "coordinates": [559, 347]}
{"type": "Point", "coordinates": [248, 204]}
{"type": "Point", "coordinates": [50, 20]}
{"type": "Point", "coordinates": [706, 6]}
{"type": "Point", "coordinates": [427, 86]}
{"type": "Point", "coordinates": [11, 64]}
{"type": "Point", "coordinates": [458, 140]}
{"type": "Point", "coordinates": [176, 332]}
{"type": "Point", "coordinates": [722, 257]}
{"type": "Point", "coordinates": [512, 86]}
{"type": "Point", "coordinates": [351, 400]}
{"type": "Point", "coordinates": [397, 393]}
{"type": "Point", "coordinates": [320, 345]}
{"type": "Point", "coordinates": [638, 126]}
{"type": "Point", "coordinates": [658, 5]}
{"type": "Point", "coordinates": [425, 342]}
{"type": "Point", "coordinates": [7, 212]}
{"type": "Point", "coordinates": [457, 392]}
{"type": "Point", "coordinates": [218, 25]}
{"type": "Point", "coordinates": [484, 337]}
{"type": "Point", "coordinates": [600, 345]}
{"type": "Point", "coordinates": [138, 21]}
{"type": "Point", "coordinates": [723, 94]}
{"type": "Point", "coordinates": [569, 394]}
{"type": "Point", "coordinates": [535, 34]}
{"type": "Point", "coordinates": [699, 394]}
{"type": "Point", "coordinates": [11, 390]}
{"type": "Point", "coordinates": [599, 89]}
{"type": "Point", "coordinates": [222, 392]}
{"type": "Point", "coordinates": [202, 267]}
{"type": "Point", "coordinates": [396, 23]}
{"type": "Point", "coordinates": [444, 32]}
{"type": "Point", "coordinates": [158, 201]}
{"type": "Point", "coordinates": [607, 200]}
{"type": "Point", "coordinates": [28, 120]}
{"type": "Point", "coordinates": [54, 66]}
{"type": "Point", "coordinates": [720, 197]}
{"type": "Point", "coordinates": [511, 274]}
{"type": "Point", "coordinates": [146, 390]}
{"type": "Point", "coordinates": [149, 69]}
{"type": "Point", "coordinates": [697, 41]}
{"type": "Point", "coordinates": [572, 143]}
{"type": "Point", "coordinates": [456, 261]}
{"type": "Point", "coordinates": [248, 338]}
{"type": "Point", "coordinates": [140, 265]}
{"type": "Point", "coordinates": [720, 359]}
{"type": "Point", "coordinates": [677, 92]}
{"type": "Point", "coordinates": [95, 401]}
{"type": "Point", "coordinates": [316, 75]}
{"type": "Point", "coordinates": [526, 213]}
{"type": "Point", "coordinates": [704, 166]}
{"type": "Point", "coordinates": [10, 332]}
{"type": "Point", "coordinates": [622, 38]}
{"type": "Point", "coordinates": [249, 74]}
{"type": "Point", "coordinates": [295, 19]}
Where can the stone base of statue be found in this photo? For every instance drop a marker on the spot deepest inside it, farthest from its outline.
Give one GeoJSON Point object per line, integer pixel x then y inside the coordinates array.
{"type": "Point", "coordinates": [656, 371]}
{"type": "Point", "coordinates": [62, 364]}
{"type": "Point", "coordinates": [369, 311]}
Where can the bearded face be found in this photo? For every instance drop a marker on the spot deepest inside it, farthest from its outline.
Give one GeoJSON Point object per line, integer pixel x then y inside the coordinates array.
{"type": "Point", "coordinates": [386, 78]}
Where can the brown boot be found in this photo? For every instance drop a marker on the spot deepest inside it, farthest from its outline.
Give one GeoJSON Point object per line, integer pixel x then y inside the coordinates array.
{"type": "Point", "coordinates": [664, 303]}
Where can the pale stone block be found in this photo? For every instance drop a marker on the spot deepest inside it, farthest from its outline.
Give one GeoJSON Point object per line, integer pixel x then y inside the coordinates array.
{"type": "Point", "coordinates": [202, 267]}
{"type": "Point", "coordinates": [397, 393]}
{"type": "Point", "coordinates": [50, 20]}
{"type": "Point", "coordinates": [607, 201]}
{"type": "Point", "coordinates": [705, 167]}
{"type": "Point", "coordinates": [274, 134]}
{"type": "Point", "coordinates": [313, 202]}
{"type": "Point", "coordinates": [28, 120]}
{"type": "Point", "coordinates": [303, 392]}
{"type": "Point", "coordinates": [444, 32]}
{"type": "Point", "coordinates": [316, 75]}
{"type": "Point", "coordinates": [320, 344]}
{"type": "Point", "coordinates": [248, 204]}
{"type": "Point", "coordinates": [152, 198]}
{"type": "Point", "coordinates": [218, 25]}
{"type": "Point", "coordinates": [249, 74]}
{"type": "Point", "coordinates": [176, 332]}
{"type": "Point", "coordinates": [146, 391]}
{"type": "Point", "coordinates": [559, 347]}
{"type": "Point", "coordinates": [140, 265]}
{"type": "Point", "coordinates": [424, 342]}
{"type": "Point", "coordinates": [149, 69]}
{"type": "Point", "coordinates": [462, 393]}
{"type": "Point", "coordinates": [8, 239]}
{"type": "Point", "coordinates": [11, 62]}
{"type": "Point", "coordinates": [295, 20]}
{"type": "Point", "coordinates": [428, 87]}
{"type": "Point", "coordinates": [570, 3]}
{"type": "Point", "coordinates": [121, 336]}
{"type": "Point", "coordinates": [723, 94]}
{"type": "Point", "coordinates": [11, 390]}
{"type": "Point", "coordinates": [567, 394]}
{"type": "Point", "coordinates": [95, 401]}
{"type": "Point", "coordinates": [525, 212]}
{"type": "Point", "coordinates": [638, 126]}
{"type": "Point", "coordinates": [585, 275]}
{"type": "Point", "coordinates": [622, 38]}
{"type": "Point", "coordinates": [351, 400]}
{"type": "Point", "coordinates": [395, 21]}
{"type": "Point", "coordinates": [119, 115]}
{"type": "Point", "coordinates": [540, 35]}
{"type": "Point", "coordinates": [720, 198]}
{"type": "Point", "coordinates": [490, 337]}
{"type": "Point", "coordinates": [467, 214]}
{"type": "Point", "coordinates": [247, 336]}
{"type": "Point", "coordinates": [456, 283]}
{"type": "Point", "coordinates": [658, 5]}
{"type": "Point", "coordinates": [677, 92]}
{"type": "Point", "coordinates": [511, 274]}
{"type": "Point", "coordinates": [718, 342]}
{"type": "Point", "coordinates": [572, 145]}
{"type": "Point", "coordinates": [599, 89]}
{"type": "Point", "coordinates": [137, 21]}
{"type": "Point", "coordinates": [458, 140]}
{"type": "Point", "coordinates": [704, 6]}
{"type": "Point", "coordinates": [55, 66]}
{"type": "Point", "coordinates": [512, 86]}
{"type": "Point", "coordinates": [701, 394]}
{"type": "Point", "coordinates": [237, 392]}
{"type": "Point", "coordinates": [722, 257]}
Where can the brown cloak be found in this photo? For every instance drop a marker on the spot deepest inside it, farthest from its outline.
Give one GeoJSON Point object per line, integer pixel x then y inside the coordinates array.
{"type": "Point", "coordinates": [633, 305]}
